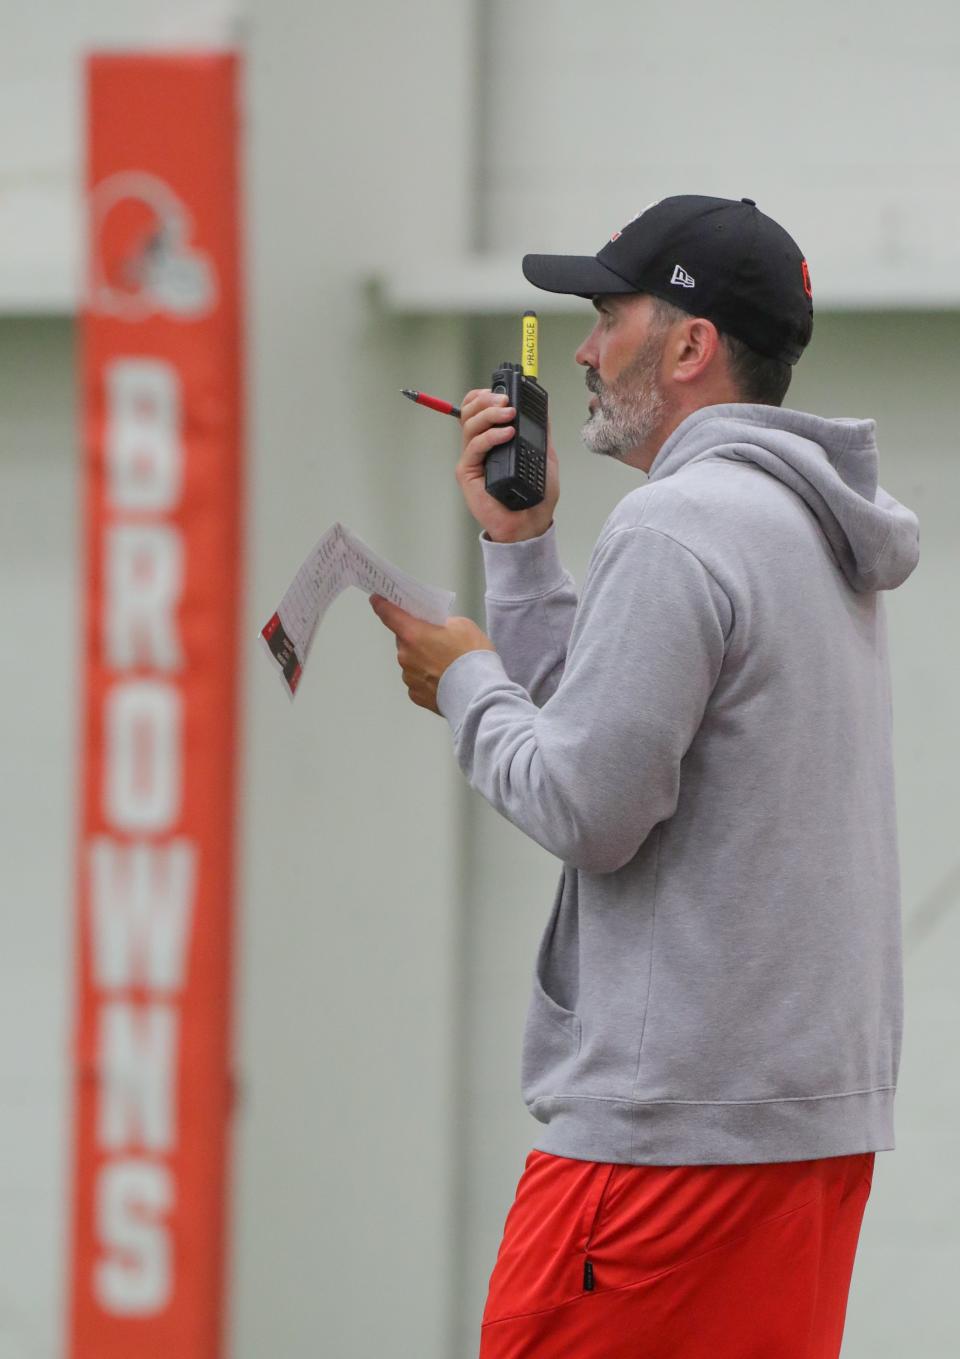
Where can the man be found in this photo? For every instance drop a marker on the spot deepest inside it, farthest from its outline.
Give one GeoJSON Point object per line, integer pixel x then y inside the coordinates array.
{"type": "Point", "coordinates": [704, 740]}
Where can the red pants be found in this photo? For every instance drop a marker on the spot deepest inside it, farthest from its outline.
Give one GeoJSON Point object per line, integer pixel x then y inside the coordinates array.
{"type": "Point", "coordinates": [676, 1262]}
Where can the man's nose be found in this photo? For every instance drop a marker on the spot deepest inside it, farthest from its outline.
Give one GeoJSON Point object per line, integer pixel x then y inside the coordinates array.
{"type": "Point", "coordinates": [587, 354]}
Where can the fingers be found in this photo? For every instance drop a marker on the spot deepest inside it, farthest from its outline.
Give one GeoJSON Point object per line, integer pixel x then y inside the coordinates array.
{"type": "Point", "coordinates": [420, 689]}
{"type": "Point", "coordinates": [486, 421]}
{"type": "Point", "coordinates": [480, 408]}
{"type": "Point", "coordinates": [471, 403]}
{"type": "Point", "coordinates": [475, 452]}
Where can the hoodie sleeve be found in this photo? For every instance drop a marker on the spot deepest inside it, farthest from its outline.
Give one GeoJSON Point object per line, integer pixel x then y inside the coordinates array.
{"type": "Point", "coordinates": [591, 773]}
{"type": "Point", "coordinates": [530, 605]}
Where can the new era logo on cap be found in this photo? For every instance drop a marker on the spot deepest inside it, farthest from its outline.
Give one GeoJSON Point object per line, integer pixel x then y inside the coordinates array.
{"type": "Point", "coordinates": [682, 277]}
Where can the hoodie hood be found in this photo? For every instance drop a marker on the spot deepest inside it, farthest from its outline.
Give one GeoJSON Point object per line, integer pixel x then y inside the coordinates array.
{"type": "Point", "coordinates": [830, 463]}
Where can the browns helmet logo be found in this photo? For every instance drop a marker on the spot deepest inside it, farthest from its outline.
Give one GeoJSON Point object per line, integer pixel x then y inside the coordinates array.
{"type": "Point", "coordinates": [143, 259]}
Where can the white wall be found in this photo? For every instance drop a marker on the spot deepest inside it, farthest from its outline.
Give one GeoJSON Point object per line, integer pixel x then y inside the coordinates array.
{"type": "Point", "coordinates": [348, 1040]}
{"type": "Point", "coordinates": [39, 523]}
{"type": "Point", "coordinates": [389, 917]}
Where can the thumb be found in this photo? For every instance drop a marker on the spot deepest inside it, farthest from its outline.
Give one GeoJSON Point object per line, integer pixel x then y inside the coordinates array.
{"type": "Point", "coordinates": [391, 615]}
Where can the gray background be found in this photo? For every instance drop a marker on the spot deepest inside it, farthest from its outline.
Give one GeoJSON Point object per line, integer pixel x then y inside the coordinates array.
{"type": "Point", "coordinates": [400, 160]}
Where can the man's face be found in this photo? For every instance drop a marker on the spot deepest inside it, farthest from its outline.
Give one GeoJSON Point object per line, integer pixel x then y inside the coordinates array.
{"type": "Point", "coordinates": [622, 355]}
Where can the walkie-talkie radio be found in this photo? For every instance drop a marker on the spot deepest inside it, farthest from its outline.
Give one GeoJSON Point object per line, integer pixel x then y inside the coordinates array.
{"type": "Point", "coordinates": [516, 473]}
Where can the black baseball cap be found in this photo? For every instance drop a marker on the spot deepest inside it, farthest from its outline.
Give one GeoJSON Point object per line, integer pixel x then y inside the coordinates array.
{"type": "Point", "coordinates": [721, 258]}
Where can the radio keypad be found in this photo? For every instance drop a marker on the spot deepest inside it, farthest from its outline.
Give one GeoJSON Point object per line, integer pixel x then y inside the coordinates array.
{"type": "Point", "coordinates": [530, 468]}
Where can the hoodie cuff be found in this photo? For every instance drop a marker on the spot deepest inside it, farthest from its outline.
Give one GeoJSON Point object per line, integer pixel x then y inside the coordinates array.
{"type": "Point", "coordinates": [463, 679]}
{"type": "Point", "coordinates": [520, 571]}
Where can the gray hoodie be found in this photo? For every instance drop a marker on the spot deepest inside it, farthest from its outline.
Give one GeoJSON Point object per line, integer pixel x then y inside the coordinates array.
{"type": "Point", "coordinates": [704, 741]}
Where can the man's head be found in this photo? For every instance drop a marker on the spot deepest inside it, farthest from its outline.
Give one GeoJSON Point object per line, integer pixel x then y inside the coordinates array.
{"type": "Point", "coordinates": [700, 300]}
{"type": "Point", "coordinates": [650, 364]}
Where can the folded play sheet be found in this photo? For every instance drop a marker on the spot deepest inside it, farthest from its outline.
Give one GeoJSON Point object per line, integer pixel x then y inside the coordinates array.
{"type": "Point", "coordinates": [338, 560]}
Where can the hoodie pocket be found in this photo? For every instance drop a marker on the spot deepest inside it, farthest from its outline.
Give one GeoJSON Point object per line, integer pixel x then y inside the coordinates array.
{"type": "Point", "coordinates": [552, 1034]}
{"type": "Point", "coordinates": [551, 1040]}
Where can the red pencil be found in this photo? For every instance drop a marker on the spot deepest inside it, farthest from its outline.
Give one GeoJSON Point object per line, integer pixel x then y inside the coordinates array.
{"type": "Point", "coordinates": [434, 403]}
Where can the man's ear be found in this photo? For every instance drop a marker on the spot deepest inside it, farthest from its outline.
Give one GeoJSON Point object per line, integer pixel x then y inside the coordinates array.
{"type": "Point", "coordinates": [694, 348]}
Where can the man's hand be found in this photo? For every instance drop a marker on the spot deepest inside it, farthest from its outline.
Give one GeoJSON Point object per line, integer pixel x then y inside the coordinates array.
{"type": "Point", "coordinates": [424, 650]}
{"type": "Point", "coordinates": [487, 421]}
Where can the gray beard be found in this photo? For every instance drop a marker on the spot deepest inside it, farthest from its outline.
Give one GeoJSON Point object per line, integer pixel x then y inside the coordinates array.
{"type": "Point", "coordinates": [630, 410]}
